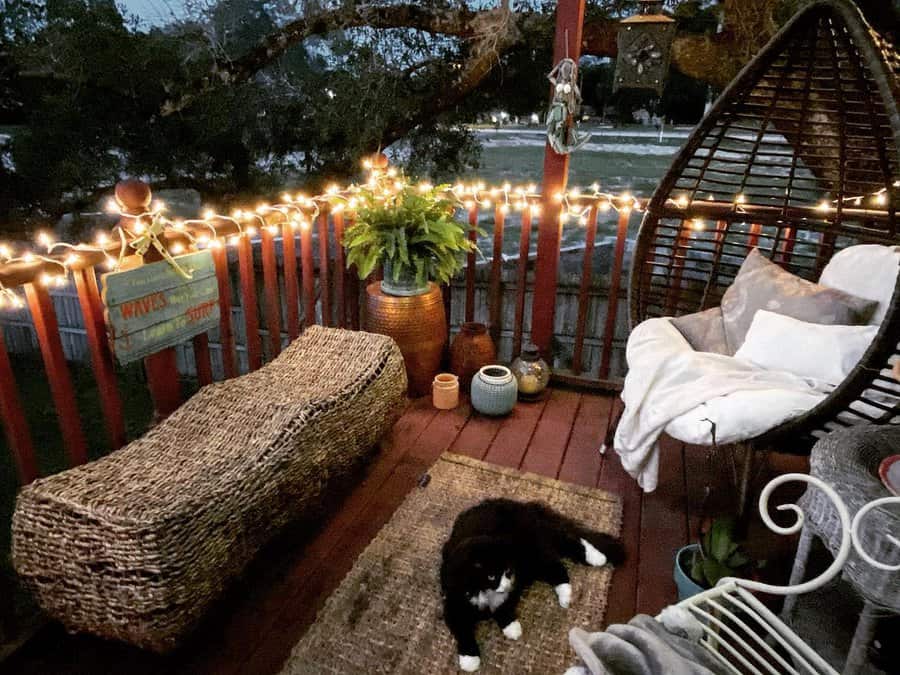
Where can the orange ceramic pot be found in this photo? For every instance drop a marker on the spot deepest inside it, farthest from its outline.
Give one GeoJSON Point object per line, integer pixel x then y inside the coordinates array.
{"type": "Point", "coordinates": [472, 349]}
{"type": "Point", "coordinates": [418, 325]}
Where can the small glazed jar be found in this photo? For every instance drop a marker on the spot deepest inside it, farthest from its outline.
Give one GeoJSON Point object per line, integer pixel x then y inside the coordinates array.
{"type": "Point", "coordinates": [532, 372]}
{"type": "Point", "coordinates": [494, 390]}
{"type": "Point", "coordinates": [445, 391]}
{"type": "Point", "coordinates": [471, 349]}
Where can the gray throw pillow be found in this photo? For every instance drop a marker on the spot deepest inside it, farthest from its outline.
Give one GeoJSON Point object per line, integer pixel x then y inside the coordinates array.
{"type": "Point", "coordinates": [704, 331]}
{"type": "Point", "coordinates": [761, 284]}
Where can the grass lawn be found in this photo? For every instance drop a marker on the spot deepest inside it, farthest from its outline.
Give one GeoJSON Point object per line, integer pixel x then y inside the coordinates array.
{"type": "Point", "coordinates": [627, 159]}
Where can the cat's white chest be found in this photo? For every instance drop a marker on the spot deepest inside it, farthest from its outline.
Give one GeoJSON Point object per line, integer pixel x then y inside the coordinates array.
{"type": "Point", "coordinates": [489, 600]}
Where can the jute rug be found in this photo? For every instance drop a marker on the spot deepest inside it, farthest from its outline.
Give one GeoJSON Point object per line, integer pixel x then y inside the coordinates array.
{"type": "Point", "coordinates": [386, 615]}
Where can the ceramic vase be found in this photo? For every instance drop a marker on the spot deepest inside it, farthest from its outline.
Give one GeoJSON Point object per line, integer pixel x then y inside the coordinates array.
{"type": "Point", "coordinates": [445, 391]}
{"type": "Point", "coordinates": [471, 349]}
{"type": "Point", "coordinates": [494, 390]}
{"type": "Point", "coordinates": [419, 327]}
{"type": "Point", "coordinates": [532, 373]}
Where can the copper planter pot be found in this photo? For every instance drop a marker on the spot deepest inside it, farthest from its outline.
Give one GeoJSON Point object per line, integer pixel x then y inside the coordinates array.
{"type": "Point", "coordinates": [417, 324]}
{"type": "Point", "coordinates": [471, 349]}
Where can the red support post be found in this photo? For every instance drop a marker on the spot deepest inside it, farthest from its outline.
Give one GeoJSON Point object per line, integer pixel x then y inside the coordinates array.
{"type": "Point", "coordinates": [272, 292]}
{"type": "Point", "coordinates": [248, 299]}
{"type": "Point", "coordinates": [47, 328]}
{"type": "Point", "coordinates": [14, 425]}
{"type": "Point", "coordinates": [226, 333]}
{"type": "Point", "coordinates": [292, 294]}
{"type": "Point", "coordinates": [101, 356]}
{"type": "Point", "coordinates": [566, 43]}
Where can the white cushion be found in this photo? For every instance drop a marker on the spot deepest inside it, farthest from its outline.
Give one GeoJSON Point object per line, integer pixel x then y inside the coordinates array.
{"type": "Point", "coordinates": [867, 271]}
{"type": "Point", "coordinates": [822, 352]}
{"type": "Point", "coordinates": [741, 415]}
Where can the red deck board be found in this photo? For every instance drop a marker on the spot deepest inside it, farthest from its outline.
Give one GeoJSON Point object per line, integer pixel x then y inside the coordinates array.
{"type": "Point", "coordinates": [662, 530]}
{"type": "Point", "coordinates": [581, 463]}
{"type": "Point", "coordinates": [476, 437]}
{"type": "Point", "coordinates": [509, 445]}
{"type": "Point", "coordinates": [548, 445]}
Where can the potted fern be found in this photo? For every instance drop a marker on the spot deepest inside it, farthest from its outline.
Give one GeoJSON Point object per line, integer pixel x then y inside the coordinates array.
{"type": "Point", "coordinates": [410, 231]}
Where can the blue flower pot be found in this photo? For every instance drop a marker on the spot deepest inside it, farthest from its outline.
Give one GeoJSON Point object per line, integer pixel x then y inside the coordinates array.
{"type": "Point", "coordinates": [687, 587]}
{"type": "Point", "coordinates": [494, 391]}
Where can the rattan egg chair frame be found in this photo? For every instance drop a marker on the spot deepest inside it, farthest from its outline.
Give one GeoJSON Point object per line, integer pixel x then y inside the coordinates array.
{"type": "Point", "coordinates": [799, 158]}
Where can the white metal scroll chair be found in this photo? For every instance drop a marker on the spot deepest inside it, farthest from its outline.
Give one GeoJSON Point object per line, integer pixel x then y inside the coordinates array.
{"type": "Point", "coordinates": [741, 632]}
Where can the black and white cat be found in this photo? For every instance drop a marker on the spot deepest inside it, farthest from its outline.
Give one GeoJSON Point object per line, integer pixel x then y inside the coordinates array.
{"type": "Point", "coordinates": [496, 550]}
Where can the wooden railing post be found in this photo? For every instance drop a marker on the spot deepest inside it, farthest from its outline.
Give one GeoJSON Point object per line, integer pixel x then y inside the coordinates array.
{"type": "Point", "coordinates": [14, 425]}
{"type": "Point", "coordinates": [470, 264]}
{"type": "Point", "coordinates": [163, 381]}
{"type": "Point", "coordinates": [248, 299]}
{"type": "Point", "coordinates": [307, 272]}
{"type": "Point", "coordinates": [272, 292]}
{"type": "Point", "coordinates": [226, 333]}
{"type": "Point", "coordinates": [340, 274]}
{"type": "Point", "coordinates": [615, 283]}
{"type": "Point", "coordinates": [522, 278]}
{"type": "Point", "coordinates": [291, 287]}
{"type": "Point", "coordinates": [101, 356]}
{"type": "Point", "coordinates": [584, 299]}
{"type": "Point", "coordinates": [47, 328]}
{"type": "Point", "coordinates": [324, 259]}
{"type": "Point", "coordinates": [566, 43]}
{"type": "Point", "coordinates": [495, 310]}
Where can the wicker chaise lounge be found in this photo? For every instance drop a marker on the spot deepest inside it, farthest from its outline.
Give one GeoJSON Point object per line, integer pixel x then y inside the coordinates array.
{"type": "Point", "coordinates": [137, 545]}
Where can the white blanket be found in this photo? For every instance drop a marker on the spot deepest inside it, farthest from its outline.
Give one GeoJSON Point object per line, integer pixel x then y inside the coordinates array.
{"type": "Point", "coordinates": [667, 379]}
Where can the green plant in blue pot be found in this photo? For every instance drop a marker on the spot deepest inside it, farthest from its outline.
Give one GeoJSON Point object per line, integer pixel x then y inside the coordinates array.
{"type": "Point", "coordinates": [717, 555]}
{"type": "Point", "coordinates": [494, 390]}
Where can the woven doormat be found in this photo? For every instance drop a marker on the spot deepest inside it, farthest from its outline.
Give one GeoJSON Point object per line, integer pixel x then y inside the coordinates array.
{"type": "Point", "coordinates": [385, 617]}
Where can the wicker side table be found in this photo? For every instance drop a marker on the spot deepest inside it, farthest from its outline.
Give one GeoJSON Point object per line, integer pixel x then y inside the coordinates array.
{"type": "Point", "coordinates": [848, 461]}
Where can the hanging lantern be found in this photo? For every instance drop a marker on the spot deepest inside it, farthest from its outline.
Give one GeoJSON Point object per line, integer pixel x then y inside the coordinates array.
{"type": "Point", "coordinates": [645, 42]}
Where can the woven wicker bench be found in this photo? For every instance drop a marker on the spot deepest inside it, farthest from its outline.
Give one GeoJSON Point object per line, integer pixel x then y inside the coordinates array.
{"type": "Point", "coordinates": [136, 546]}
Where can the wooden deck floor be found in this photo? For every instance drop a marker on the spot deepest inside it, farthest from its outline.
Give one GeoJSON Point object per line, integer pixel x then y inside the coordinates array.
{"type": "Point", "coordinates": [253, 628]}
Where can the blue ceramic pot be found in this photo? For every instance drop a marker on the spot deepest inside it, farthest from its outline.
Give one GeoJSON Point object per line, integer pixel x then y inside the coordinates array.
{"type": "Point", "coordinates": [494, 390]}
{"type": "Point", "coordinates": [687, 587]}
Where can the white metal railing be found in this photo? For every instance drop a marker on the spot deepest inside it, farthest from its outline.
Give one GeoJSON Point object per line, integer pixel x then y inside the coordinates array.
{"type": "Point", "coordinates": [741, 632]}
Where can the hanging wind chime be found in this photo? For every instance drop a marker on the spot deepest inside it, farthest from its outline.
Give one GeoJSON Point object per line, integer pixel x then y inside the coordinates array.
{"type": "Point", "coordinates": [564, 107]}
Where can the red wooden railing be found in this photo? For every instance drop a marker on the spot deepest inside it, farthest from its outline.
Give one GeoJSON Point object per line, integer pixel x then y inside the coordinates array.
{"type": "Point", "coordinates": [303, 285]}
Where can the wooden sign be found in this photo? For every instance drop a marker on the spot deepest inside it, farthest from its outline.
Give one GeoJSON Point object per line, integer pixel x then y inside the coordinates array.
{"type": "Point", "coordinates": [152, 307]}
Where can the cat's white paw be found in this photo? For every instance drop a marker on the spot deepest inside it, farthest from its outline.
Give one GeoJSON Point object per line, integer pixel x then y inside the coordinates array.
{"type": "Point", "coordinates": [469, 663]}
{"type": "Point", "coordinates": [577, 670]}
{"type": "Point", "coordinates": [513, 630]}
{"type": "Point", "coordinates": [594, 557]}
{"type": "Point", "coordinates": [564, 593]}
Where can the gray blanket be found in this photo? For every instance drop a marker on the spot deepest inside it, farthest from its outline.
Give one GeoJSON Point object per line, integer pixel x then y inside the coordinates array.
{"type": "Point", "coordinates": [643, 646]}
